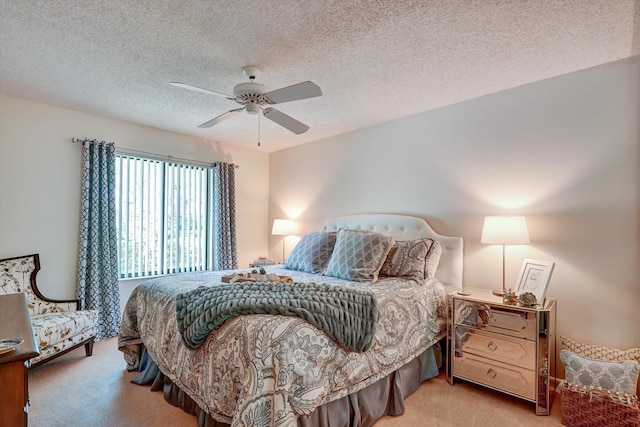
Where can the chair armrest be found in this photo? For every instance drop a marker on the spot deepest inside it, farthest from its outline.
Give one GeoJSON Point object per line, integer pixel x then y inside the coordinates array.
{"type": "Point", "coordinates": [59, 303]}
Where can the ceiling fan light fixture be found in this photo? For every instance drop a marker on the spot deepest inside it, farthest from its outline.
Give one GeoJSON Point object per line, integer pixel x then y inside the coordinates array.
{"type": "Point", "coordinates": [252, 108]}
{"type": "Point", "coordinates": [251, 72]}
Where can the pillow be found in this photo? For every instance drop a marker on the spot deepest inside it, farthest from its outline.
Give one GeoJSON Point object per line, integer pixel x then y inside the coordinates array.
{"type": "Point", "coordinates": [413, 259]}
{"type": "Point", "coordinates": [599, 352]}
{"type": "Point", "coordinates": [312, 253]}
{"type": "Point", "coordinates": [358, 255]}
{"type": "Point", "coordinates": [619, 377]}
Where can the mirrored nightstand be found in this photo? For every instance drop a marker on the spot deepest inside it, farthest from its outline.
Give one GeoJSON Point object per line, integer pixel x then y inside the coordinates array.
{"type": "Point", "coordinates": [510, 348]}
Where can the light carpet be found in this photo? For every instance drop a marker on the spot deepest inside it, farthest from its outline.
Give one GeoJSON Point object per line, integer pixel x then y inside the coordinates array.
{"type": "Point", "coordinates": [75, 390]}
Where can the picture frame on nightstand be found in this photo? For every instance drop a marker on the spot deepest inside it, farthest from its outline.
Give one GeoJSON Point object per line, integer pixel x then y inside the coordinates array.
{"type": "Point", "coordinates": [534, 277]}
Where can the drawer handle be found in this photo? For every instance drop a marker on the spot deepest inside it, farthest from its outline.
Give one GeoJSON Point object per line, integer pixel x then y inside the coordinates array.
{"type": "Point", "coordinates": [492, 346]}
{"type": "Point", "coordinates": [491, 373]}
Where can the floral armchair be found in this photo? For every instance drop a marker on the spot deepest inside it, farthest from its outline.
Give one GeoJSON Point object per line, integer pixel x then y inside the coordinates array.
{"type": "Point", "coordinates": [58, 325]}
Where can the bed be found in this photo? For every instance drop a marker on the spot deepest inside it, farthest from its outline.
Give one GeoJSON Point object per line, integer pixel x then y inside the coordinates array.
{"type": "Point", "coordinates": [276, 370]}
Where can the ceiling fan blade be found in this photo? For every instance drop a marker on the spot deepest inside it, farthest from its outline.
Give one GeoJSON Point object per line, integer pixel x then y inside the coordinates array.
{"type": "Point", "coordinates": [293, 93]}
{"type": "Point", "coordinates": [220, 118]}
{"type": "Point", "coordinates": [199, 89]}
{"type": "Point", "coordinates": [285, 121]}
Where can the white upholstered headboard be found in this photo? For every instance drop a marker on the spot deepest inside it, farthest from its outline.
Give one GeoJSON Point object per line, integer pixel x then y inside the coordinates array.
{"type": "Point", "coordinates": [403, 227]}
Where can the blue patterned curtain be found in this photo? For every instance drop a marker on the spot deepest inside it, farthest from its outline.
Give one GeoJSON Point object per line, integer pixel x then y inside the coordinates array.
{"type": "Point", "coordinates": [225, 255]}
{"type": "Point", "coordinates": [98, 257]}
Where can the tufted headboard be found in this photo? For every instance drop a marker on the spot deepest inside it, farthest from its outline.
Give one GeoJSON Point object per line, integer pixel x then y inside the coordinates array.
{"type": "Point", "coordinates": [403, 227]}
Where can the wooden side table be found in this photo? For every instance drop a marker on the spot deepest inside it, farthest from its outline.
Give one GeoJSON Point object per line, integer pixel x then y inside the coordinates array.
{"type": "Point", "coordinates": [14, 373]}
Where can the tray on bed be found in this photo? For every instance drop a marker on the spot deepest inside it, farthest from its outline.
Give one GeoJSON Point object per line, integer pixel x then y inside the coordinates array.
{"type": "Point", "coordinates": [246, 277]}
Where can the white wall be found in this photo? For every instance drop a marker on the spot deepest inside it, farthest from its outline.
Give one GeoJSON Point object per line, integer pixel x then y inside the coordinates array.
{"type": "Point", "coordinates": [40, 172]}
{"type": "Point", "coordinates": [564, 152]}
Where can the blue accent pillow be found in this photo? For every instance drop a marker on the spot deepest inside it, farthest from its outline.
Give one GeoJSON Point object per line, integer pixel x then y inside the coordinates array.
{"type": "Point", "coordinates": [621, 377]}
{"type": "Point", "coordinates": [312, 253]}
{"type": "Point", "coordinates": [358, 255]}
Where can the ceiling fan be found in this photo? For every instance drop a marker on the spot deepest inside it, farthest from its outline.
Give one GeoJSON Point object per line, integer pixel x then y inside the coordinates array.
{"type": "Point", "coordinates": [255, 98]}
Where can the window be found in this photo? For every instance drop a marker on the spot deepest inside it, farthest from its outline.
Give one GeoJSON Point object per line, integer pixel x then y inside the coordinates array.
{"type": "Point", "coordinates": [164, 212]}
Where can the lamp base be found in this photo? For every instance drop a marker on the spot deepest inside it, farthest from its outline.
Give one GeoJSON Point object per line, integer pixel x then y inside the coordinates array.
{"type": "Point", "coordinates": [499, 293]}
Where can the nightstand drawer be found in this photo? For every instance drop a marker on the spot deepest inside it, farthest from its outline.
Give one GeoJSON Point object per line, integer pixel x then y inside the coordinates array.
{"type": "Point", "coordinates": [517, 322]}
{"type": "Point", "coordinates": [497, 375]}
{"type": "Point", "coordinates": [516, 351]}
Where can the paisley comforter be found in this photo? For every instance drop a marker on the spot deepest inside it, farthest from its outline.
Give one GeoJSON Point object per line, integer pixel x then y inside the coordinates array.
{"type": "Point", "coordinates": [269, 369]}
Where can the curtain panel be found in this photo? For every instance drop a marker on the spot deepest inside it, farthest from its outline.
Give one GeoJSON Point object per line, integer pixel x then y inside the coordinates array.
{"type": "Point", "coordinates": [224, 252]}
{"type": "Point", "coordinates": [98, 287]}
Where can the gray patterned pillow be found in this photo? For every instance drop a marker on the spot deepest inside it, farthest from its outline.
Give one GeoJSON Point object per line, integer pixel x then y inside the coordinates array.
{"type": "Point", "coordinates": [413, 259]}
{"type": "Point", "coordinates": [359, 255]}
{"type": "Point", "coordinates": [615, 376]}
{"type": "Point", "coordinates": [312, 253]}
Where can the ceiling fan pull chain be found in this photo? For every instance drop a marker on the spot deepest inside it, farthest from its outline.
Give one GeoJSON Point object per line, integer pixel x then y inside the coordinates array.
{"type": "Point", "coordinates": [259, 129]}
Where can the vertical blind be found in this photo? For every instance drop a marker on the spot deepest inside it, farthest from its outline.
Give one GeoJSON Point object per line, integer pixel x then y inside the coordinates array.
{"type": "Point", "coordinates": [162, 216]}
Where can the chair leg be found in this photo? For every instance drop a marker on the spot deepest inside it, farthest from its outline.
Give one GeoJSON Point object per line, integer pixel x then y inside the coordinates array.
{"type": "Point", "coordinates": [88, 347]}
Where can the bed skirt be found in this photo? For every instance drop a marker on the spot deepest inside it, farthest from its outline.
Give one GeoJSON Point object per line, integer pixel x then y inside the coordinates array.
{"type": "Point", "coordinates": [360, 409]}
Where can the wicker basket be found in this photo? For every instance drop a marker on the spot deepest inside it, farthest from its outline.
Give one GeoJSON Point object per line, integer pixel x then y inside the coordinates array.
{"type": "Point", "coordinates": [597, 407]}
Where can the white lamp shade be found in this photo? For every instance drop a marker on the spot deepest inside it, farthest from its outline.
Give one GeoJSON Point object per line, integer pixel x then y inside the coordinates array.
{"type": "Point", "coordinates": [283, 227]}
{"type": "Point", "coordinates": [505, 230]}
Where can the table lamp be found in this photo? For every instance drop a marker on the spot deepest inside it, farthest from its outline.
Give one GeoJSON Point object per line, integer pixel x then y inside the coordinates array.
{"type": "Point", "coordinates": [504, 230]}
{"type": "Point", "coordinates": [283, 227]}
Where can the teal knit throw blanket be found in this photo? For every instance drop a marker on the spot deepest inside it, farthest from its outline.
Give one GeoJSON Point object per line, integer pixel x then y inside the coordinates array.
{"type": "Point", "coordinates": [347, 315]}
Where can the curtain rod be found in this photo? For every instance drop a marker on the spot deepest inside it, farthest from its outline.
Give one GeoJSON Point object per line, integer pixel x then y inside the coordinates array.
{"type": "Point", "coordinates": [154, 156]}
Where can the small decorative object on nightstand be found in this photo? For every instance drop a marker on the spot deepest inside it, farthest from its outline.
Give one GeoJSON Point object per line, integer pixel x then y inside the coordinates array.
{"type": "Point", "coordinates": [261, 262]}
{"type": "Point", "coordinates": [510, 348]}
{"type": "Point", "coordinates": [510, 297]}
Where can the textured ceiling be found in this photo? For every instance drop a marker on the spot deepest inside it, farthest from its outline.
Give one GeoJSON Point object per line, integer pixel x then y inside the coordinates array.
{"type": "Point", "coordinates": [374, 60]}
